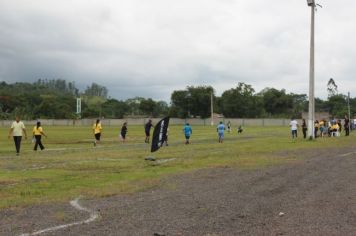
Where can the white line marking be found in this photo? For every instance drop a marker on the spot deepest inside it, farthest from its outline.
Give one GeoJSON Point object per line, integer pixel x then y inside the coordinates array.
{"type": "Point", "coordinates": [75, 203]}
{"type": "Point", "coordinates": [165, 160]}
{"type": "Point", "coordinates": [347, 154]}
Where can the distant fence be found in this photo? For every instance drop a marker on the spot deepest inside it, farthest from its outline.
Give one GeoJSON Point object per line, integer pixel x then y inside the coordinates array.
{"type": "Point", "coordinates": [142, 121]}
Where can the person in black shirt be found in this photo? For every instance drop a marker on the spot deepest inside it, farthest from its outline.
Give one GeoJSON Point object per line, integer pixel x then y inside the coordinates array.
{"type": "Point", "coordinates": [346, 126]}
{"type": "Point", "coordinates": [123, 132]}
{"type": "Point", "coordinates": [304, 129]}
{"type": "Point", "coordinates": [148, 126]}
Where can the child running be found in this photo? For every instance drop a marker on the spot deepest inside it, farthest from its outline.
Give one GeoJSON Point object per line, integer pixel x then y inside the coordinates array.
{"type": "Point", "coordinates": [123, 132]}
{"type": "Point", "coordinates": [221, 130]}
{"type": "Point", "coordinates": [37, 133]}
{"type": "Point", "coordinates": [97, 131]}
{"type": "Point", "coordinates": [187, 132]}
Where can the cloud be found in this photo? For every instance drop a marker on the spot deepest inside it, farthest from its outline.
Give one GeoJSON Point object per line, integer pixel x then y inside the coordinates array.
{"type": "Point", "coordinates": [150, 48]}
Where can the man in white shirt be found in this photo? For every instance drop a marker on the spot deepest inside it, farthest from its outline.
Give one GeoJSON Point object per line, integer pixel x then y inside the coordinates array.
{"type": "Point", "coordinates": [16, 131]}
{"type": "Point", "coordinates": [294, 127]}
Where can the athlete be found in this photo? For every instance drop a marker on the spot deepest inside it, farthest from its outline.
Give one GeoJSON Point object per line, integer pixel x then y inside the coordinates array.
{"type": "Point", "coordinates": [148, 127]}
{"type": "Point", "coordinates": [187, 129]}
{"type": "Point", "coordinates": [221, 130]}
{"type": "Point", "coordinates": [97, 131]}
{"type": "Point", "coordinates": [37, 133]}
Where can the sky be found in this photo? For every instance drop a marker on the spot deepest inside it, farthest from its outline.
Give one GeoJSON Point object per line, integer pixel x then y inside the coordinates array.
{"type": "Point", "coordinates": [151, 48]}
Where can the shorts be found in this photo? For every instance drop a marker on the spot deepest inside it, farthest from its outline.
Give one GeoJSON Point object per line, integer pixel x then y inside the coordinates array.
{"type": "Point", "coordinates": [187, 137]}
{"type": "Point", "coordinates": [147, 133]}
{"type": "Point", "coordinates": [123, 135]}
{"type": "Point", "coordinates": [221, 135]}
{"type": "Point", "coordinates": [294, 133]}
{"type": "Point", "coordinates": [97, 136]}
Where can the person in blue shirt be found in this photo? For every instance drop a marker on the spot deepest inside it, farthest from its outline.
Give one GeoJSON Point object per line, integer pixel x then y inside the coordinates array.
{"type": "Point", "coordinates": [221, 129]}
{"type": "Point", "coordinates": [187, 132]}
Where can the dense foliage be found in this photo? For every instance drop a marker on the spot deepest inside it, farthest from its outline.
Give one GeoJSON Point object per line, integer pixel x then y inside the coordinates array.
{"type": "Point", "coordinates": [56, 99]}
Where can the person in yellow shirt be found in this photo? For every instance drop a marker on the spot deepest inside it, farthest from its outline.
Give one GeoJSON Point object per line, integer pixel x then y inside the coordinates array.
{"type": "Point", "coordinates": [335, 129]}
{"type": "Point", "coordinates": [37, 133]}
{"type": "Point", "coordinates": [97, 131]}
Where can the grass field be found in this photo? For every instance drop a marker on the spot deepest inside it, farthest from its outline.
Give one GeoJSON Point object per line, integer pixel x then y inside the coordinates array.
{"type": "Point", "coordinates": [70, 166]}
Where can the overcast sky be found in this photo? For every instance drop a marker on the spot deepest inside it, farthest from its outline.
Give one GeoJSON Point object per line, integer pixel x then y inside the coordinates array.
{"type": "Point", "coordinates": [149, 48]}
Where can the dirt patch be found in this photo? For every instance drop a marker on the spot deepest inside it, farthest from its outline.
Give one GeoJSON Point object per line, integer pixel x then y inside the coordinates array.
{"type": "Point", "coordinates": [316, 196]}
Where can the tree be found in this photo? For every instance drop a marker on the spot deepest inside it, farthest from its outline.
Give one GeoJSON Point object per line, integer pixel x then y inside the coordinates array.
{"type": "Point", "coordinates": [180, 105]}
{"type": "Point", "coordinates": [338, 105]}
{"type": "Point", "coordinates": [199, 100]}
{"type": "Point", "coordinates": [277, 102]}
{"type": "Point", "coordinates": [241, 102]}
{"type": "Point", "coordinates": [194, 101]}
{"type": "Point", "coordinates": [113, 108]}
{"type": "Point", "coordinates": [96, 90]}
{"type": "Point", "coordinates": [147, 107]}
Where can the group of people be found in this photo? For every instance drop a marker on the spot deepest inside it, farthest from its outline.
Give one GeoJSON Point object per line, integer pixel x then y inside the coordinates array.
{"type": "Point", "coordinates": [18, 130]}
{"type": "Point", "coordinates": [322, 128]}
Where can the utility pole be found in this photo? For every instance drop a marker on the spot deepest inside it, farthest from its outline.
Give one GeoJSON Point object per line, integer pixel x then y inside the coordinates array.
{"type": "Point", "coordinates": [311, 115]}
{"type": "Point", "coordinates": [212, 108]}
{"type": "Point", "coordinates": [348, 104]}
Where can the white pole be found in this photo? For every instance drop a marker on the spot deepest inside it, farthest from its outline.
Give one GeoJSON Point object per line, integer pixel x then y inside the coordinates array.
{"type": "Point", "coordinates": [212, 108]}
{"type": "Point", "coordinates": [348, 104]}
{"type": "Point", "coordinates": [79, 105]}
{"type": "Point", "coordinates": [311, 116]}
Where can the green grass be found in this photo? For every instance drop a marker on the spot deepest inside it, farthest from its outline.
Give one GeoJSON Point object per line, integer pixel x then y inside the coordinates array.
{"type": "Point", "coordinates": [70, 166]}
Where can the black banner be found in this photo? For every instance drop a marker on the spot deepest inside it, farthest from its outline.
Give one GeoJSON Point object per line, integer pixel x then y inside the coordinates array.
{"type": "Point", "coordinates": [159, 134]}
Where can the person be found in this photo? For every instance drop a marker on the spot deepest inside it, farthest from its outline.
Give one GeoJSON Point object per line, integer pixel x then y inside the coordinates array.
{"type": "Point", "coordinates": [123, 132]}
{"type": "Point", "coordinates": [228, 127]}
{"type": "Point", "coordinates": [322, 127]}
{"type": "Point", "coordinates": [294, 128]}
{"type": "Point", "coordinates": [335, 129]}
{"type": "Point", "coordinates": [347, 125]}
{"type": "Point", "coordinates": [316, 128]}
{"type": "Point", "coordinates": [166, 138]}
{"type": "Point", "coordinates": [304, 129]}
{"type": "Point", "coordinates": [221, 130]}
{"type": "Point", "coordinates": [340, 125]}
{"type": "Point", "coordinates": [187, 129]}
{"type": "Point", "coordinates": [239, 129]}
{"type": "Point", "coordinates": [37, 133]}
{"type": "Point", "coordinates": [17, 129]}
{"type": "Point", "coordinates": [148, 127]}
{"type": "Point", "coordinates": [97, 131]}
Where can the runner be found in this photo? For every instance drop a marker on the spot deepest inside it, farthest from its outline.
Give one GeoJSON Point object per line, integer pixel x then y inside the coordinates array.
{"type": "Point", "coordinates": [37, 133]}
{"type": "Point", "coordinates": [187, 132]}
{"type": "Point", "coordinates": [228, 127]}
{"type": "Point", "coordinates": [97, 131]}
{"type": "Point", "coordinates": [123, 132]}
{"type": "Point", "coordinates": [221, 129]}
{"type": "Point", "coordinates": [148, 127]}
{"type": "Point", "coordinates": [16, 131]}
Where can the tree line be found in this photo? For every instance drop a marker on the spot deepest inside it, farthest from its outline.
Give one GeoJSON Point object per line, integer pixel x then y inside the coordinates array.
{"type": "Point", "coordinates": [56, 99]}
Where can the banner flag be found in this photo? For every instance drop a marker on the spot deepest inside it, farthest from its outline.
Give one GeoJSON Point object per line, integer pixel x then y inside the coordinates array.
{"type": "Point", "coordinates": [159, 134]}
